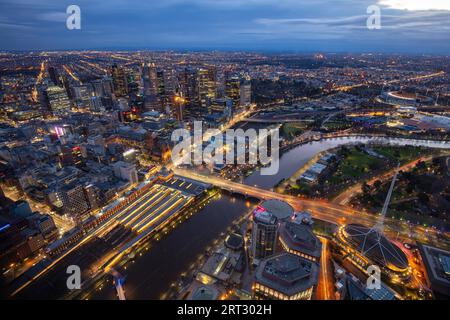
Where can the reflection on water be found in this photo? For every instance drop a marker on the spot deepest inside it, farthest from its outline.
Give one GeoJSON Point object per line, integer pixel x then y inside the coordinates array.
{"type": "Point", "coordinates": [293, 159]}
{"type": "Point", "coordinates": [151, 275]}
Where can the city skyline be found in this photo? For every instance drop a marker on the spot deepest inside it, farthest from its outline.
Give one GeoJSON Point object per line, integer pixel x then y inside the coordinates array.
{"type": "Point", "coordinates": [407, 26]}
{"type": "Point", "coordinates": [225, 150]}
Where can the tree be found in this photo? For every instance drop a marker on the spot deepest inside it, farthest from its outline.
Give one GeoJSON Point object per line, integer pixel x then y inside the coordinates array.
{"type": "Point", "coordinates": [377, 185]}
{"type": "Point", "coordinates": [365, 188]}
{"type": "Point", "coordinates": [423, 198]}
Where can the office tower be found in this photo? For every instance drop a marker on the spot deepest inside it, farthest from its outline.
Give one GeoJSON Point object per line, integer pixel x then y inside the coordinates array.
{"type": "Point", "coordinates": [71, 199]}
{"type": "Point", "coordinates": [58, 101]}
{"type": "Point", "coordinates": [264, 234]}
{"type": "Point", "coordinates": [206, 83]}
{"type": "Point", "coordinates": [120, 82]}
{"type": "Point", "coordinates": [54, 76]}
{"type": "Point", "coordinates": [93, 196]}
{"type": "Point", "coordinates": [232, 90]}
{"type": "Point", "coordinates": [108, 87]}
{"type": "Point", "coordinates": [97, 88]}
{"type": "Point", "coordinates": [66, 84]}
{"type": "Point", "coordinates": [161, 89]}
{"type": "Point", "coordinates": [150, 79]}
{"type": "Point", "coordinates": [245, 93]}
{"type": "Point", "coordinates": [187, 81]}
{"type": "Point", "coordinates": [82, 95]}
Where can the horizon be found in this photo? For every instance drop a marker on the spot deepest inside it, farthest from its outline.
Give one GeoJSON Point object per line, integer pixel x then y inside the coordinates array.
{"type": "Point", "coordinates": [406, 26]}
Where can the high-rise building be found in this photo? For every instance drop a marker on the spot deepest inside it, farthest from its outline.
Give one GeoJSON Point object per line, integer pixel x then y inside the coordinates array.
{"type": "Point", "coordinates": [150, 79]}
{"type": "Point", "coordinates": [232, 90]}
{"type": "Point", "coordinates": [93, 196]}
{"type": "Point", "coordinates": [66, 84]}
{"type": "Point", "coordinates": [187, 80]}
{"type": "Point", "coordinates": [161, 89]}
{"type": "Point", "coordinates": [206, 83]}
{"type": "Point", "coordinates": [108, 86]}
{"type": "Point", "coordinates": [245, 93]}
{"type": "Point", "coordinates": [264, 234]}
{"type": "Point", "coordinates": [97, 88]}
{"type": "Point", "coordinates": [73, 200]}
{"type": "Point", "coordinates": [54, 76]}
{"type": "Point", "coordinates": [120, 82]}
{"type": "Point", "coordinates": [58, 101]}
{"type": "Point", "coordinates": [82, 95]}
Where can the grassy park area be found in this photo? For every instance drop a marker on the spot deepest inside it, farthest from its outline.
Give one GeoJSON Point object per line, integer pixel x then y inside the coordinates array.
{"type": "Point", "coordinates": [359, 162]}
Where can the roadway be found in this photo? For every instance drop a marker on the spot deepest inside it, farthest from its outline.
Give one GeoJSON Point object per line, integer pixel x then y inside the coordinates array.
{"type": "Point", "coordinates": [325, 286]}
{"type": "Point", "coordinates": [327, 211]}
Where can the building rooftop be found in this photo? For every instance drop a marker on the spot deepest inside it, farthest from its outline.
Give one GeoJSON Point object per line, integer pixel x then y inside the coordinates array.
{"type": "Point", "coordinates": [300, 237]}
{"type": "Point", "coordinates": [376, 247]}
{"type": "Point", "coordinates": [234, 241]}
{"type": "Point", "coordinates": [436, 263]}
{"type": "Point", "coordinates": [287, 273]}
{"type": "Point", "coordinates": [280, 209]}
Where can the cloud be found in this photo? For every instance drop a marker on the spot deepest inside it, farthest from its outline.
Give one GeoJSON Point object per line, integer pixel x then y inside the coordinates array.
{"type": "Point", "coordinates": [54, 16]}
{"type": "Point", "coordinates": [416, 5]}
{"type": "Point", "coordinates": [435, 20]}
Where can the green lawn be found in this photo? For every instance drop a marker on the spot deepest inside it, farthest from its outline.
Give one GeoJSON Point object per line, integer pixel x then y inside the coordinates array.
{"type": "Point", "coordinates": [293, 129]}
{"type": "Point", "coordinates": [403, 154]}
{"type": "Point", "coordinates": [354, 165]}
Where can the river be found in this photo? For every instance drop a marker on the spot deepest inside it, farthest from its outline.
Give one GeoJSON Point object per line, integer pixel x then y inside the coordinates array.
{"type": "Point", "coordinates": [151, 275]}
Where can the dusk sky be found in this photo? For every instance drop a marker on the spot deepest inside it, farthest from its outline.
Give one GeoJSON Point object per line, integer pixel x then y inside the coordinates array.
{"type": "Point", "coordinates": [407, 26]}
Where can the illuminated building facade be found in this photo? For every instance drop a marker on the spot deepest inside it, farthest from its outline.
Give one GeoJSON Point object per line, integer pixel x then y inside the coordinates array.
{"type": "Point", "coordinates": [206, 81]}
{"type": "Point", "coordinates": [232, 90]}
{"type": "Point", "coordinates": [58, 101]}
{"type": "Point", "coordinates": [285, 276]}
{"type": "Point", "coordinates": [264, 234]}
{"type": "Point", "coordinates": [364, 247]}
{"type": "Point", "coordinates": [300, 240]}
{"type": "Point", "coordinates": [120, 82]}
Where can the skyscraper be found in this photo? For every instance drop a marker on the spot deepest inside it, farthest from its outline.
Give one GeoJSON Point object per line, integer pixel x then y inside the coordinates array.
{"type": "Point", "coordinates": [120, 82]}
{"type": "Point", "coordinates": [150, 79]}
{"type": "Point", "coordinates": [187, 81]}
{"type": "Point", "coordinates": [54, 76]}
{"type": "Point", "coordinates": [264, 234]}
{"type": "Point", "coordinates": [206, 82]}
{"type": "Point", "coordinates": [232, 90]}
{"type": "Point", "coordinates": [245, 93]}
{"type": "Point", "coordinates": [58, 101]}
